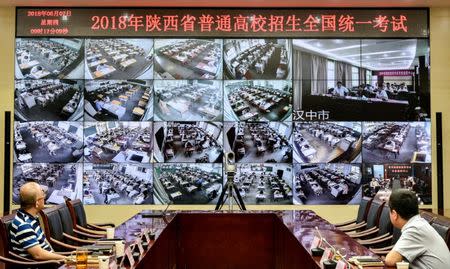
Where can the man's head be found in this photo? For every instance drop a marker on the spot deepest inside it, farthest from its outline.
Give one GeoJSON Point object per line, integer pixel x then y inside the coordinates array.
{"type": "Point", "coordinates": [404, 205]}
{"type": "Point", "coordinates": [339, 84]}
{"type": "Point", "coordinates": [32, 197]}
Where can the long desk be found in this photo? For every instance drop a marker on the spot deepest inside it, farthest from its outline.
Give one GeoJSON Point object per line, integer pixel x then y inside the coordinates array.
{"type": "Point", "coordinates": [255, 239]}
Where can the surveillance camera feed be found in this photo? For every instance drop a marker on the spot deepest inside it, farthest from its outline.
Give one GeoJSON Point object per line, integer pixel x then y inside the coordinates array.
{"type": "Point", "coordinates": [182, 142]}
{"type": "Point", "coordinates": [120, 184]}
{"type": "Point", "coordinates": [49, 99]}
{"type": "Point", "coordinates": [332, 183]}
{"type": "Point", "coordinates": [118, 142]}
{"type": "Point", "coordinates": [366, 80]}
{"type": "Point", "coordinates": [323, 142]}
{"type": "Point", "coordinates": [189, 100]}
{"type": "Point", "coordinates": [264, 184]}
{"type": "Point", "coordinates": [119, 59]}
{"type": "Point", "coordinates": [49, 58]}
{"type": "Point", "coordinates": [129, 120]}
{"type": "Point", "coordinates": [188, 59]}
{"type": "Point", "coordinates": [258, 100]}
{"type": "Point", "coordinates": [381, 179]}
{"type": "Point", "coordinates": [185, 183]}
{"type": "Point", "coordinates": [56, 180]}
{"type": "Point", "coordinates": [251, 142]}
{"type": "Point", "coordinates": [124, 100]}
{"type": "Point", "coordinates": [48, 141]}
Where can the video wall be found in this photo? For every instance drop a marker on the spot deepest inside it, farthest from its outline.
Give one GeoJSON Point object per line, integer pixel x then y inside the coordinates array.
{"type": "Point", "coordinates": [139, 120]}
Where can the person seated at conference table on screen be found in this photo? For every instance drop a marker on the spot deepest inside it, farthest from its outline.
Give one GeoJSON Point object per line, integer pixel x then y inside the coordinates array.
{"type": "Point", "coordinates": [419, 242]}
{"type": "Point", "coordinates": [25, 234]}
{"type": "Point", "coordinates": [381, 94]}
{"type": "Point", "coordinates": [99, 104]}
{"type": "Point", "coordinates": [339, 90]}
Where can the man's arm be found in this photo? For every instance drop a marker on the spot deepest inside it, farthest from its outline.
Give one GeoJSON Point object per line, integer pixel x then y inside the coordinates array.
{"type": "Point", "coordinates": [392, 258]}
{"type": "Point", "coordinates": [41, 254]}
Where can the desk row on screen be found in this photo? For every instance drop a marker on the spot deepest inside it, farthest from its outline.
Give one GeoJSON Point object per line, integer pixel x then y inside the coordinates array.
{"type": "Point", "coordinates": [206, 100]}
{"type": "Point", "coordinates": [205, 142]}
{"type": "Point", "coordinates": [243, 59]}
{"type": "Point", "coordinates": [126, 58]}
{"type": "Point", "coordinates": [257, 183]}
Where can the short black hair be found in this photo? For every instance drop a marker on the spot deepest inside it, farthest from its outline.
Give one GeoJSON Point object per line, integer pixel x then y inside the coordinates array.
{"type": "Point", "coordinates": [404, 202]}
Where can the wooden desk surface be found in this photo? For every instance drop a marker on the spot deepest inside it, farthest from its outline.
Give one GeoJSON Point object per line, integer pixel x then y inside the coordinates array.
{"type": "Point", "coordinates": [253, 239]}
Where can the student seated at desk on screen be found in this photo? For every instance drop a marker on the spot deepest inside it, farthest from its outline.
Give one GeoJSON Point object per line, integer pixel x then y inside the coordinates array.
{"type": "Point", "coordinates": [99, 104]}
{"type": "Point", "coordinates": [36, 69]}
{"type": "Point", "coordinates": [102, 67]}
{"type": "Point", "coordinates": [382, 94]}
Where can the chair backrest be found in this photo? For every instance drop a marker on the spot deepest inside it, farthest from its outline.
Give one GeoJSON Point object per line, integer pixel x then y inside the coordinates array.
{"type": "Point", "coordinates": [428, 216]}
{"type": "Point", "coordinates": [363, 209]}
{"type": "Point", "coordinates": [384, 221]}
{"type": "Point", "coordinates": [52, 223]}
{"type": "Point", "coordinates": [77, 212]}
{"type": "Point", "coordinates": [66, 219]}
{"type": "Point", "coordinates": [443, 230]}
{"type": "Point", "coordinates": [5, 222]}
{"type": "Point", "coordinates": [374, 213]}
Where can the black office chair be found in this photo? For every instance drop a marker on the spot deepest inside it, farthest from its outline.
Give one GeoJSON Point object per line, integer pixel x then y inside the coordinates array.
{"type": "Point", "coordinates": [384, 234]}
{"type": "Point", "coordinates": [78, 216]}
{"type": "Point", "coordinates": [361, 218]}
{"type": "Point", "coordinates": [373, 217]}
{"type": "Point", "coordinates": [383, 251]}
{"type": "Point", "coordinates": [443, 230]}
{"type": "Point", "coordinates": [55, 231]}
{"type": "Point", "coordinates": [69, 228]}
{"type": "Point", "coordinates": [10, 260]}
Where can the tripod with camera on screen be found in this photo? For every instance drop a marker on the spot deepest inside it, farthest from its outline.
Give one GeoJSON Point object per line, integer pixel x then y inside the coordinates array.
{"type": "Point", "coordinates": [230, 190]}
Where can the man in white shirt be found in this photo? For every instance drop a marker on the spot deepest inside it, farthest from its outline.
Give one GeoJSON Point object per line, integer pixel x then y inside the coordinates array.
{"type": "Point", "coordinates": [339, 90]}
{"type": "Point", "coordinates": [419, 242]}
{"type": "Point", "coordinates": [382, 94]}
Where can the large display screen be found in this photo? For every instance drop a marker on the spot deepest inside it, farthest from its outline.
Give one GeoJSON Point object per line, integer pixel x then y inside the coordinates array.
{"type": "Point", "coordinates": [138, 106]}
